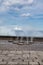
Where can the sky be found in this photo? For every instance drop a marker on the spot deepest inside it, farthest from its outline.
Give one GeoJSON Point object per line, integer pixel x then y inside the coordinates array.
{"type": "Point", "coordinates": [21, 15]}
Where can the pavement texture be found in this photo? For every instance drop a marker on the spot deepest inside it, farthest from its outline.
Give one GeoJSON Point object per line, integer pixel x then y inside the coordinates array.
{"type": "Point", "coordinates": [13, 54]}
{"type": "Point", "coordinates": [19, 47]}
{"type": "Point", "coordinates": [21, 57]}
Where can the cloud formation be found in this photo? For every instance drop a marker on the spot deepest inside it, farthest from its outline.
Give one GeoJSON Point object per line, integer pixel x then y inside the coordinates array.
{"type": "Point", "coordinates": [23, 12]}
{"type": "Point", "coordinates": [19, 31]}
{"type": "Point", "coordinates": [11, 2]}
{"type": "Point", "coordinates": [6, 4]}
{"type": "Point", "coordinates": [26, 14]}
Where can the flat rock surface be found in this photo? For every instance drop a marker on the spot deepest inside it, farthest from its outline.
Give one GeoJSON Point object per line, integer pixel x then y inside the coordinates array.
{"type": "Point", "coordinates": [21, 57]}
{"type": "Point", "coordinates": [14, 54]}
{"type": "Point", "coordinates": [34, 47]}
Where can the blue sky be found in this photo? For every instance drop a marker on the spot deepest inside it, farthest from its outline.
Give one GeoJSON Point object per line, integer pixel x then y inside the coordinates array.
{"type": "Point", "coordinates": [24, 14]}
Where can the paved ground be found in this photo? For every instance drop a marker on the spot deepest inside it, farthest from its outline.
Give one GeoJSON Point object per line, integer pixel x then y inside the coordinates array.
{"type": "Point", "coordinates": [33, 47]}
{"type": "Point", "coordinates": [13, 54]}
{"type": "Point", "coordinates": [21, 57]}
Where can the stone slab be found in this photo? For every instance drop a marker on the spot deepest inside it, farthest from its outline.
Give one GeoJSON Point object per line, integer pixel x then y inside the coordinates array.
{"type": "Point", "coordinates": [10, 55]}
{"type": "Point", "coordinates": [12, 63]}
{"type": "Point", "coordinates": [12, 52]}
{"type": "Point", "coordinates": [33, 63]}
{"type": "Point", "coordinates": [3, 63]}
{"type": "Point", "coordinates": [5, 52]}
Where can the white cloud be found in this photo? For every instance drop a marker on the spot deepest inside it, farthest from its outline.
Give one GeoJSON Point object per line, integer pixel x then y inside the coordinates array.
{"type": "Point", "coordinates": [26, 14]}
{"type": "Point", "coordinates": [17, 28]}
{"type": "Point", "coordinates": [11, 2]}
{"type": "Point", "coordinates": [9, 30]}
{"type": "Point", "coordinates": [5, 31]}
{"type": "Point", "coordinates": [7, 3]}
{"type": "Point", "coordinates": [25, 31]}
{"type": "Point", "coordinates": [30, 1]}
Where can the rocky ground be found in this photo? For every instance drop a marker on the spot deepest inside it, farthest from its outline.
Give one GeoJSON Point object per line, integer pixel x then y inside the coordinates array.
{"type": "Point", "coordinates": [21, 57]}
{"type": "Point", "coordinates": [14, 54]}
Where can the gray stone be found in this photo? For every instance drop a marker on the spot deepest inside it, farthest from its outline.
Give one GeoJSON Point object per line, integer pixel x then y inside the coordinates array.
{"type": "Point", "coordinates": [18, 52]}
{"type": "Point", "coordinates": [10, 55]}
{"type": "Point", "coordinates": [5, 52]}
{"type": "Point", "coordinates": [33, 63]}
{"type": "Point", "coordinates": [25, 52]}
{"type": "Point", "coordinates": [12, 62]}
{"type": "Point", "coordinates": [3, 63]}
{"type": "Point", "coordinates": [12, 52]}
{"type": "Point", "coordinates": [0, 51]}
